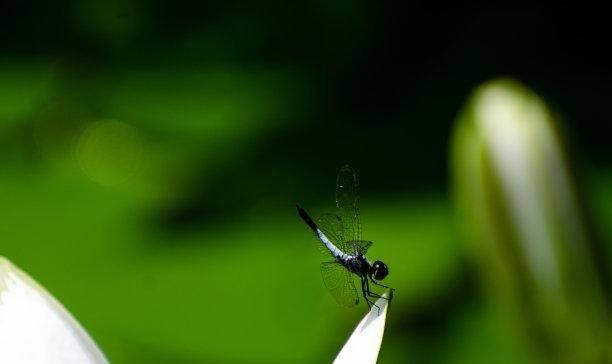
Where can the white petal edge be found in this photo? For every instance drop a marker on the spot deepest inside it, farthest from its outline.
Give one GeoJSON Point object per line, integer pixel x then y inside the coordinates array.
{"type": "Point", "coordinates": [35, 328]}
{"type": "Point", "coordinates": [364, 344]}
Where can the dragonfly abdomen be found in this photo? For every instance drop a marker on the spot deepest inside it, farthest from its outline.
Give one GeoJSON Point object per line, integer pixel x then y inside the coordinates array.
{"type": "Point", "coordinates": [334, 250]}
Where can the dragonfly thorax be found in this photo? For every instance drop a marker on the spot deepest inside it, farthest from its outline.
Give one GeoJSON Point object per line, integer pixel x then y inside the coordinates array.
{"type": "Point", "coordinates": [358, 264]}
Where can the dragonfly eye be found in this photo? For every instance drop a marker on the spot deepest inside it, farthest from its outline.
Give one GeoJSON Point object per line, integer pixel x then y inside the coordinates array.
{"type": "Point", "coordinates": [380, 270]}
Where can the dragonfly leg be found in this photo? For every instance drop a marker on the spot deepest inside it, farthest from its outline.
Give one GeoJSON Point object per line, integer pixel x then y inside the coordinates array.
{"type": "Point", "coordinates": [366, 291]}
{"type": "Point", "coordinates": [373, 294]}
{"type": "Point", "coordinates": [376, 295]}
{"type": "Point", "coordinates": [381, 285]}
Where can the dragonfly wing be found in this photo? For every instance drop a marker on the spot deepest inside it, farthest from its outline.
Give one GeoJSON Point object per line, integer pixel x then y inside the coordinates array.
{"type": "Point", "coordinates": [347, 199]}
{"type": "Point", "coordinates": [339, 282]}
{"type": "Point", "coordinates": [359, 246]}
{"type": "Point", "coordinates": [332, 227]}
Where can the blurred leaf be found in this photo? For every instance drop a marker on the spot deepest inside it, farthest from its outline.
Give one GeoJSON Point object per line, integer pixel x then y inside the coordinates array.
{"type": "Point", "coordinates": [210, 105]}
{"type": "Point", "coordinates": [23, 85]}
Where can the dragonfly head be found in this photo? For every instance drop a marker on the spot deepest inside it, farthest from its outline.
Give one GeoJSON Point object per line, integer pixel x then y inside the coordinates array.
{"type": "Point", "coordinates": [379, 270]}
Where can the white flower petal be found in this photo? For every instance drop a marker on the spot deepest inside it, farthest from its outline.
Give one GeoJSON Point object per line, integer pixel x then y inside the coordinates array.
{"type": "Point", "coordinates": [35, 328]}
{"type": "Point", "coordinates": [364, 344]}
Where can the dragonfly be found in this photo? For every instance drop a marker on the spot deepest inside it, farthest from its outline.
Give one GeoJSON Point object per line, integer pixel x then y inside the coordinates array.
{"type": "Point", "coordinates": [340, 238]}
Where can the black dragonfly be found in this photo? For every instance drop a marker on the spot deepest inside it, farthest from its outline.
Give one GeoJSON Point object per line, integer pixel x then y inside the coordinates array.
{"type": "Point", "coordinates": [340, 236]}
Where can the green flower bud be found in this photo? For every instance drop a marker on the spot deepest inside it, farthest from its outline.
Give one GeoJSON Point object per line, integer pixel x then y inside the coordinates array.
{"type": "Point", "coordinates": [519, 209]}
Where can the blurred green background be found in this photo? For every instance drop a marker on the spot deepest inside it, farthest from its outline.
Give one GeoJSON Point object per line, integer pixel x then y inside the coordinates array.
{"type": "Point", "coordinates": [151, 154]}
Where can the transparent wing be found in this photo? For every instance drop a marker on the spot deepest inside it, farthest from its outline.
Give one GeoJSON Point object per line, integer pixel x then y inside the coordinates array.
{"type": "Point", "coordinates": [359, 246]}
{"type": "Point", "coordinates": [332, 227]}
{"type": "Point", "coordinates": [339, 282]}
{"type": "Point", "coordinates": [347, 199]}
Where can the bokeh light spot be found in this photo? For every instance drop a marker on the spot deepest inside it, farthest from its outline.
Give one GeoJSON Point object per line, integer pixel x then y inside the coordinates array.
{"type": "Point", "coordinates": [110, 152]}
